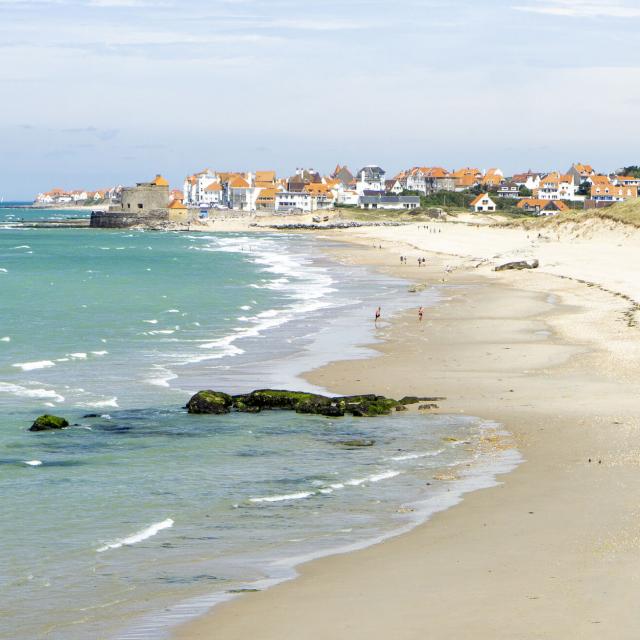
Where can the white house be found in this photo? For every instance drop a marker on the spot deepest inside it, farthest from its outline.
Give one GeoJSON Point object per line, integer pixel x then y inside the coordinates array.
{"type": "Point", "coordinates": [344, 195]}
{"type": "Point", "coordinates": [294, 201]}
{"type": "Point", "coordinates": [394, 187]}
{"type": "Point", "coordinates": [370, 178]}
{"type": "Point", "coordinates": [212, 195]}
{"type": "Point", "coordinates": [483, 203]}
{"type": "Point", "coordinates": [389, 202]}
{"type": "Point", "coordinates": [529, 180]}
{"type": "Point", "coordinates": [557, 187]}
{"type": "Point", "coordinates": [508, 190]}
{"type": "Point", "coordinates": [416, 180]}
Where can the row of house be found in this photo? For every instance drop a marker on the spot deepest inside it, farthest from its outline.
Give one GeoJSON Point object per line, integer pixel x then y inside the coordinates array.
{"type": "Point", "coordinates": [78, 196]}
{"type": "Point", "coordinates": [305, 191]}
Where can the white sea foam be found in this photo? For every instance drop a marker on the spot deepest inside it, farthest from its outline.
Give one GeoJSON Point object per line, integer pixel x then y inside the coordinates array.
{"type": "Point", "coordinates": [245, 307]}
{"type": "Point", "coordinates": [144, 534]}
{"type": "Point", "coordinates": [302, 282]}
{"type": "Point", "coordinates": [5, 339]}
{"type": "Point", "coordinates": [3, 270]}
{"type": "Point", "coordinates": [290, 496]}
{"type": "Point", "coordinates": [78, 356]}
{"type": "Point", "coordinates": [173, 311]}
{"type": "Point", "coordinates": [162, 332]}
{"type": "Point", "coordinates": [150, 321]}
{"type": "Point", "coordinates": [33, 463]}
{"type": "Point", "coordinates": [100, 353]}
{"type": "Point", "coordinates": [32, 366]}
{"type": "Point", "coordinates": [416, 456]}
{"type": "Point", "coordinates": [165, 375]}
{"type": "Point", "coordinates": [22, 246]}
{"type": "Point", "coordinates": [377, 477]}
{"type": "Point", "coordinates": [24, 392]}
{"type": "Point", "coordinates": [98, 404]}
{"type": "Point", "coordinates": [386, 475]}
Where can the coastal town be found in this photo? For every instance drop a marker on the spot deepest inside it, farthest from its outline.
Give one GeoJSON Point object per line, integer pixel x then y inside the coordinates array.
{"type": "Point", "coordinates": [370, 188]}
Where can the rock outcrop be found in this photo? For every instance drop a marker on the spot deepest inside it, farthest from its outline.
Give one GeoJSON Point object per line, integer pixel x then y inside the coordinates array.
{"type": "Point", "coordinates": [210, 402]}
{"type": "Point", "coordinates": [48, 423]}
{"type": "Point", "coordinates": [518, 265]}
{"type": "Point", "coordinates": [214, 402]}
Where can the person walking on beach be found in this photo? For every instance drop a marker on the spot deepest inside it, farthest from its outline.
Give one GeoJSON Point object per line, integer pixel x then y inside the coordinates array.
{"type": "Point", "coordinates": [378, 314]}
{"type": "Point", "coordinates": [420, 313]}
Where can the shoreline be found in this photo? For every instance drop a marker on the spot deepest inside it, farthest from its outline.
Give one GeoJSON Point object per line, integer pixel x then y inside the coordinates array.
{"type": "Point", "coordinates": [551, 358]}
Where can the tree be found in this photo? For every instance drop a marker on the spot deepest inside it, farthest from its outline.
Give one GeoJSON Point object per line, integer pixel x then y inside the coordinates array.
{"type": "Point", "coordinates": [631, 170]}
{"type": "Point", "coordinates": [525, 192]}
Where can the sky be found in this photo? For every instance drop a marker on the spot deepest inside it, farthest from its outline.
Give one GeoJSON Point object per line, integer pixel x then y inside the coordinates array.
{"type": "Point", "coordinates": [101, 92]}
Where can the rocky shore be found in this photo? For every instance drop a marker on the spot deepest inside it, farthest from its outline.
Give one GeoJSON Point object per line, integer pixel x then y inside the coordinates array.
{"type": "Point", "coordinates": [219, 403]}
{"type": "Point", "coordinates": [368, 405]}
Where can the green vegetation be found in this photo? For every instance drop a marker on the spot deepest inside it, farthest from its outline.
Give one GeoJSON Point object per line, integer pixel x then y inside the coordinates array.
{"type": "Point", "coordinates": [631, 170]}
{"type": "Point", "coordinates": [624, 213]}
{"type": "Point", "coordinates": [214, 402]}
{"type": "Point", "coordinates": [48, 423]}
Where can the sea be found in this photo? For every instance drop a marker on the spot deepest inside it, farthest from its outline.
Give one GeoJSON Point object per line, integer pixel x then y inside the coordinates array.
{"type": "Point", "coordinates": [140, 516]}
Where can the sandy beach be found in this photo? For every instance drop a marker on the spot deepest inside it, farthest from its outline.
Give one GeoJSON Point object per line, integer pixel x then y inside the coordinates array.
{"type": "Point", "coordinates": [552, 552]}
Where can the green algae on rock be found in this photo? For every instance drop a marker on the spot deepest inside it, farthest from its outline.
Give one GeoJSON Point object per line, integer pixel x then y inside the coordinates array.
{"type": "Point", "coordinates": [209, 401]}
{"type": "Point", "coordinates": [368, 405]}
{"type": "Point", "coordinates": [48, 423]}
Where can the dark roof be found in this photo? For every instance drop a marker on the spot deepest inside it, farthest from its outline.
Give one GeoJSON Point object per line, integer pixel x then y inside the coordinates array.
{"type": "Point", "coordinates": [390, 199]}
{"type": "Point", "coordinates": [372, 172]}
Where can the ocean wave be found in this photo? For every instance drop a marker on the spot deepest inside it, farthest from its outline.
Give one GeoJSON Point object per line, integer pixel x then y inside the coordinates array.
{"type": "Point", "coordinates": [5, 339]}
{"type": "Point", "coordinates": [32, 366]}
{"type": "Point", "coordinates": [416, 456]}
{"type": "Point", "coordinates": [33, 463]}
{"type": "Point", "coordinates": [98, 404]}
{"type": "Point", "coordinates": [78, 356]}
{"type": "Point", "coordinates": [24, 392]}
{"type": "Point", "coordinates": [377, 477]}
{"type": "Point", "coordinates": [144, 534]}
{"type": "Point", "coordinates": [165, 375]}
{"type": "Point", "coordinates": [161, 332]}
{"type": "Point", "coordinates": [301, 495]}
{"type": "Point", "coordinates": [100, 353]}
{"type": "Point", "coordinates": [151, 321]}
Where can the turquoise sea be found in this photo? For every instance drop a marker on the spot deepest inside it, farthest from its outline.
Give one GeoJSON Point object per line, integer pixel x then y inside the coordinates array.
{"type": "Point", "coordinates": [141, 515]}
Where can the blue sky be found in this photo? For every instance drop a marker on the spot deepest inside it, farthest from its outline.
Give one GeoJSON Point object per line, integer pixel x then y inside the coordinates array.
{"type": "Point", "coordinates": [99, 92]}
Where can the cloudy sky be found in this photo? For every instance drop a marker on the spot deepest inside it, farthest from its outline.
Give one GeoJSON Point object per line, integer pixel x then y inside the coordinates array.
{"type": "Point", "coordinates": [97, 92]}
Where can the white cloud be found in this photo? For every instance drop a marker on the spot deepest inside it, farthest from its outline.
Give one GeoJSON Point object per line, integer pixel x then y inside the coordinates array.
{"type": "Point", "coordinates": [583, 8]}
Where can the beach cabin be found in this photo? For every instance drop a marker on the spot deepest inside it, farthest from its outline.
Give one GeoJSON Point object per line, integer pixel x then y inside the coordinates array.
{"type": "Point", "coordinates": [483, 203]}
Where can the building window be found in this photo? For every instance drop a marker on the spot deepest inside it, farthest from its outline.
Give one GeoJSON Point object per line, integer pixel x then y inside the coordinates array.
{"type": "Point", "coordinates": [140, 205]}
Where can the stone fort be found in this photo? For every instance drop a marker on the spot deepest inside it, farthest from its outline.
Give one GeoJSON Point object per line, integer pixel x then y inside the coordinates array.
{"type": "Point", "coordinates": [147, 204]}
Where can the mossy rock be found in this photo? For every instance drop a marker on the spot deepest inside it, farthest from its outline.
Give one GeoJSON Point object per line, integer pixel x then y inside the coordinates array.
{"type": "Point", "coordinates": [321, 407]}
{"type": "Point", "coordinates": [279, 399]}
{"type": "Point", "coordinates": [211, 402]}
{"type": "Point", "coordinates": [367, 406]}
{"type": "Point", "coordinates": [364, 442]}
{"type": "Point", "coordinates": [48, 423]}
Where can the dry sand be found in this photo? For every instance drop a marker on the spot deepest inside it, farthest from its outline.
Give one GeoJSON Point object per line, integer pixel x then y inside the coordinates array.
{"type": "Point", "coordinates": [552, 552]}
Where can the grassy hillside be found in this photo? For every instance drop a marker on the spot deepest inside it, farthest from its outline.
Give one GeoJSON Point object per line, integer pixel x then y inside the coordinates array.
{"type": "Point", "coordinates": [625, 213]}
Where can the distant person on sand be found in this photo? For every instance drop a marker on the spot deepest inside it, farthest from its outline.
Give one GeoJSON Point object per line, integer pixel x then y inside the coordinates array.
{"type": "Point", "coordinates": [378, 313]}
{"type": "Point", "coordinates": [420, 313]}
